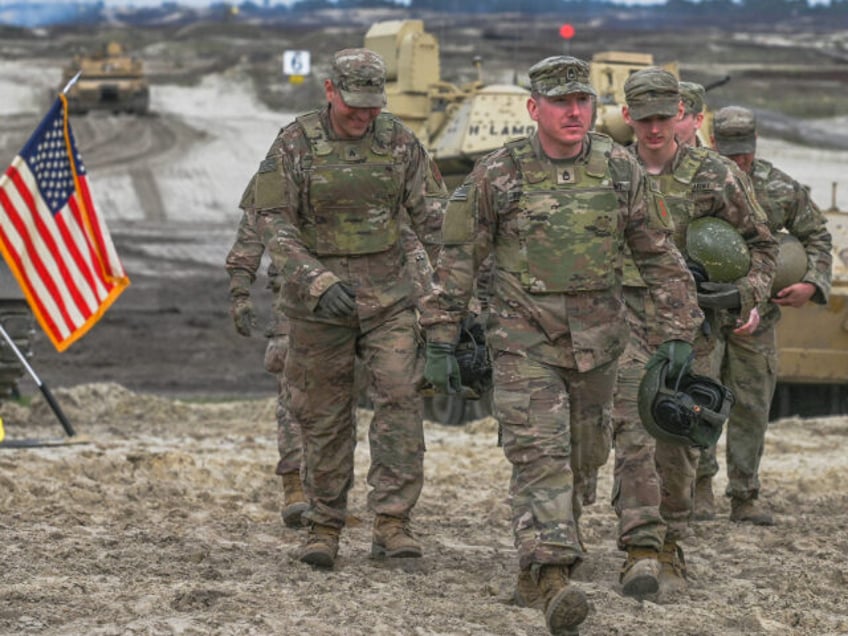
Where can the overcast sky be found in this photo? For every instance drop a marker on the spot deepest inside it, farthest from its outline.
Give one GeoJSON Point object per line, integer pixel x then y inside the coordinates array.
{"type": "Point", "coordinates": [204, 3]}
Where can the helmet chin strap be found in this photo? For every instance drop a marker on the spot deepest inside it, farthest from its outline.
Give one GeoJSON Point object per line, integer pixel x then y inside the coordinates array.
{"type": "Point", "coordinates": [683, 371]}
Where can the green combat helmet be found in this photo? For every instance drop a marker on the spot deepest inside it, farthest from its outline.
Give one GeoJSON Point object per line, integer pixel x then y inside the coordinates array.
{"type": "Point", "coordinates": [714, 246]}
{"type": "Point", "coordinates": [689, 410]}
{"type": "Point", "coordinates": [791, 262]}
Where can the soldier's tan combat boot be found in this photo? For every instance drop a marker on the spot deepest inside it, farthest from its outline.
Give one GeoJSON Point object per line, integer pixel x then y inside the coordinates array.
{"type": "Point", "coordinates": [704, 506]}
{"type": "Point", "coordinates": [750, 511]}
{"type": "Point", "coordinates": [321, 547]}
{"type": "Point", "coordinates": [672, 569]}
{"type": "Point", "coordinates": [640, 574]}
{"type": "Point", "coordinates": [527, 593]}
{"type": "Point", "coordinates": [564, 605]}
{"type": "Point", "coordinates": [392, 538]}
{"type": "Point", "coordinates": [294, 501]}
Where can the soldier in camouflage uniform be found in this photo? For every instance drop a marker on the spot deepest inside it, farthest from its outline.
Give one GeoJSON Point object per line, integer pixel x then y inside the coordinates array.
{"type": "Point", "coordinates": [334, 192]}
{"type": "Point", "coordinates": [554, 210]}
{"type": "Point", "coordinates": [242, 263]}
{"type": "Point", "coordinates": [687, 127]}
{"type": "Point", "coordinates": [653, 480]}
{"type": "Point", "coordinates": [749, 364]}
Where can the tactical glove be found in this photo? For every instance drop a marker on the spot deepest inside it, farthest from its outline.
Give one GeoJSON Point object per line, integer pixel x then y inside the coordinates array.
{"type": "Point", "coordinates": [719, 296]}
{"type": "Point", "coordinates": [679, 356]}
{"type": "Point", "coordinates": [244, 318]}
{"type": "Point", "coordinates": [441, 368]}
{"type": "Point", "coordinates": [337, 302]}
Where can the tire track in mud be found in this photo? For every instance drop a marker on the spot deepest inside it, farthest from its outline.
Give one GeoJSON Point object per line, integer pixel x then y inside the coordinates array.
{"type": "Point", "coordinates": [123, 141]}
{"type": "Point", "coordinates": [112, 143]}
{"type": "Point", "coordinates": [134, 145]}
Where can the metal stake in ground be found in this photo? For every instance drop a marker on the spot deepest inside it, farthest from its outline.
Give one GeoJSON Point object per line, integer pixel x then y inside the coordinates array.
{"type": "Point", "coordinates": [42, 387]}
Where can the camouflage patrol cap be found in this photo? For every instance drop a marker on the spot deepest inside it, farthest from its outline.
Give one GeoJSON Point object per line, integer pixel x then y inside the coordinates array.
{"type": "Point", "coordinates": [360, 77]}
{"type": "Point", "coordinates": [692, 95]}
{"type": "Point", "coordinates": [560, 75]}
{"type": "Point", "coordinates": [735, 131]}
{"type": "Point", "coordinates": [652, 91]}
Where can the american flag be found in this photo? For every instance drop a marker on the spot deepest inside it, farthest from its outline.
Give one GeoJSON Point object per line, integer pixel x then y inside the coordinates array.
{"type": "Point", "coordinates": [52, 238]}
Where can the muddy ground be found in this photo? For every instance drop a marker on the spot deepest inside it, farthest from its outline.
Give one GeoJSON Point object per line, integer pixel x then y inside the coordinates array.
{"type": "Point", "coordinates": [167, 522]}
{"type": "Point", "coordinates": [165, 518]}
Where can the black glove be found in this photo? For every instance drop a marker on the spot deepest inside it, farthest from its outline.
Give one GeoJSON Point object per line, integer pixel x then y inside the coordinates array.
{"type": "Point", "coordinates": [244, 318]}
{"type": "Point", "coordinates": [719, 296]}
{"type": "Point", "coordinates": [337, 302]}
{"type": "Point", "coordinates": [677, 352]}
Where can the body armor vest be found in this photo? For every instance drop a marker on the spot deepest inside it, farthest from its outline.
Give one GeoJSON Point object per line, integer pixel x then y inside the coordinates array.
{"type": "Point", "coordinates": [559, 234]}
{"type": "Point", "coordinates": [677, 192]}
{"type": "Point", "coordinates": [352, 191]}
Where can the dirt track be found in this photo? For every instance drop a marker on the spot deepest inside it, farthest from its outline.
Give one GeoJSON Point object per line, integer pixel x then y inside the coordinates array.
{"type": "Point", "coordinates": [167, 522]}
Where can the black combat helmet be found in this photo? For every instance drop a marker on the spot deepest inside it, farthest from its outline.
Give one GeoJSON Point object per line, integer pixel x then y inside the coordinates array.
{"type": "Point", "coordinates": [689, 409]}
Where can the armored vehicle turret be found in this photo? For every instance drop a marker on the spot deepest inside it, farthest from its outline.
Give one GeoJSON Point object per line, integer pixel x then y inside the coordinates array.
{"type": "Point", "coordinates": [457, 123]}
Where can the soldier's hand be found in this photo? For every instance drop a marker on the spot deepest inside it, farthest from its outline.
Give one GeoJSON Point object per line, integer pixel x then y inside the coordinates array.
{"type": "Point", "coordinates": [719, 296]}
{"type": "Point", "coordinates": [749, 326]}
{"type": "Point", "coordinates": [441, 368]}
{"type": "Point", "coordinates": [244, 318]}
{"type": "Point", "coordinates": [795, 295]}
{"type": "Point", "coordinates": [338, 301]}
{"type": "Point", "coordinates": [677, 352]}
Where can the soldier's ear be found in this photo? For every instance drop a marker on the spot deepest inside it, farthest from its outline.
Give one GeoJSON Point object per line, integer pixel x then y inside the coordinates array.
{"type": "Point", "coordinates": [533, 108]}
{"type": "Point", "coordinates": [329, 89]}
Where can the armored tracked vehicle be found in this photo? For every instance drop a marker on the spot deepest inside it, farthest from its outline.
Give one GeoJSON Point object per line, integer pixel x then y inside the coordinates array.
{"type": "Point", "coordinates": [812, 342]}
{"type": "Point", "coordinates": [111, 81]}
{"type": "Point", "coordinates": [458, 124]}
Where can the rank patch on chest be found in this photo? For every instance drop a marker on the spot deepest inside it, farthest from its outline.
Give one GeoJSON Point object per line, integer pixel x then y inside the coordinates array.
{"type": "Point", "coordinates": [565, 175]}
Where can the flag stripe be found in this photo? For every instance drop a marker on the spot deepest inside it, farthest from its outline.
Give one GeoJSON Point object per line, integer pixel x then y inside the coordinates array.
{"type": "Point", "coordinates": [95, 230]}
{"type": "Point", "coordinates": [54, 241]}
{"type": "Point", "coordinates": [74, 238]}
{"type": "Point", "coordinates": [92, 252]}
{"type": "Point", "coordinates": [30, 257]}
{"type": "Point", "coordinates": [47, 254]}
{"type": "Point", "coordinates": [37, 301]}
{"type": "Point", "coordinates": [101, 242]}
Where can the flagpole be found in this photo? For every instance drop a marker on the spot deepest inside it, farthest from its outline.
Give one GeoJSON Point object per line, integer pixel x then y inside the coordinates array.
{"type": "Point", "coordinates": [71, 82]}
{"type": "Point", "coordinates": [42, 387]}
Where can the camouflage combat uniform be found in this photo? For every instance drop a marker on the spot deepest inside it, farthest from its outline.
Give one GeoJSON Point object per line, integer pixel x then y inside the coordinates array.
{"type": "Point", "coordinates": [556, 328]}
{"type": "Point", "coordinates": [653, 480]}
{"type": "Point", "coordinates": [335, 210]}
{"type": "Point", "coordinates": [243, 261]}
{"type": "Point", "coordinates": [748, 364]}
{"type": "Point", "coordinates": [649, 494]}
